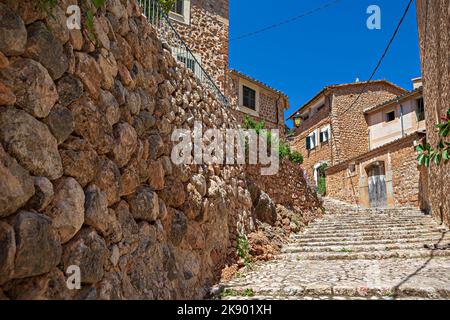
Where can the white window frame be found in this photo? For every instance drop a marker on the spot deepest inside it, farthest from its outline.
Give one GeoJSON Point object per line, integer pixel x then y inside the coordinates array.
{"type": "Point", "coordinates": [184, 18]}
{"type": "Point", "coordinates": [312, 142]}
{"type": "Point", "coordinates": [241, 106]}
{"type": "Point", "coordinates": [328, 130]}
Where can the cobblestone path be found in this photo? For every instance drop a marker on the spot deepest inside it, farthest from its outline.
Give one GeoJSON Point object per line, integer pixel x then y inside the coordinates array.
{"type": "Point", "coordinates": [351, 254]}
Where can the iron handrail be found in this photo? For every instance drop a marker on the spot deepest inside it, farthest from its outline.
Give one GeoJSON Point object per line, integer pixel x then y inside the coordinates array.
{"type": "Point", "coordinates": [156, 17]}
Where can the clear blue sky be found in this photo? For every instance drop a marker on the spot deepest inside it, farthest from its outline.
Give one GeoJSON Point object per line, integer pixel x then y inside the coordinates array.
{"type": "Point", "coordinates": [329, 47]}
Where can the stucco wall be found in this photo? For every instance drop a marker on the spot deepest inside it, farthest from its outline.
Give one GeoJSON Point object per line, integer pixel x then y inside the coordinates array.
{"type": "Point", "coordinates": [382, 132]}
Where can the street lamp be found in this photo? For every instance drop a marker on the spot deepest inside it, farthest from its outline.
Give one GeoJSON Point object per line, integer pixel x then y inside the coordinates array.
{"type": "Point", "coordinates": [297, 120]}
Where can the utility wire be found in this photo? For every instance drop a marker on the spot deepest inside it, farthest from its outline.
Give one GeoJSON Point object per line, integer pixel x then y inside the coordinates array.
{"type": "Point", "coordinates": [382, 57]}
{"type": "Point", "coordinates": [281, 23]}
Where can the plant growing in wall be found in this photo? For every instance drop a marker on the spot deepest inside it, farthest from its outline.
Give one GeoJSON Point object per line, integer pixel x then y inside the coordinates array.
{"type": "Point", "coordinates": [284, 149]}
{"type": "Point", "coordinates": [441, 153]}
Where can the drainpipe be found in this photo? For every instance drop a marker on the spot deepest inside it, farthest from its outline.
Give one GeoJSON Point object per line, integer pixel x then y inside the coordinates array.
{"type": "Point", "coordinates": [401, 118]}
{"type": "Point", "coordinates": [278, 112]}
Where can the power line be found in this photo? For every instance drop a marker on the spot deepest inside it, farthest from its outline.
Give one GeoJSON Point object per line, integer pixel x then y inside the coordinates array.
{"type": "Point", "coordinates": [382, 57]}
{"type": "Point", "coordinates": [279, 24]}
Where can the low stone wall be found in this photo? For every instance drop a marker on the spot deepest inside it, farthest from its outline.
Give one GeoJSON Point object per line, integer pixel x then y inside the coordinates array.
{"type": "Point", "coordinates": [289, 189]}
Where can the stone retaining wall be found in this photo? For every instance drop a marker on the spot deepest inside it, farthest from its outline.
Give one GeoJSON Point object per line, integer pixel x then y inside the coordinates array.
{"type": "Point", "coordinates": [85, 168]}
{"type": "Point", "coordinates": [289, 189]}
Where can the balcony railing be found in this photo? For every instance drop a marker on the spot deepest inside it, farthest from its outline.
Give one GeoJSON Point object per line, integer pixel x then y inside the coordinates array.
{"type": "Point", "coordinates": [167, 33]}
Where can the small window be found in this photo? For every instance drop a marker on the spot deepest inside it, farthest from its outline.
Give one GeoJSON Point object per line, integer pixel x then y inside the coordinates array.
{"type": "Point", "coordinates": [311, 141]}
{"type": "Point", "coordinates": [390, 116]}
{"type": "Point", "coordinates": [179, 7]}
{"type": "Point", "coordinates": [249, 97]}
{"type": "Point", "coordinates": [324, 136]}
{"type": "Point", "coordinates": [420, 110]}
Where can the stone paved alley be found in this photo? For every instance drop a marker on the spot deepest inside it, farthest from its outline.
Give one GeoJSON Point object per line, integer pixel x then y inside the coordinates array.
{"type": "Point", "coordinates": [355, 254]}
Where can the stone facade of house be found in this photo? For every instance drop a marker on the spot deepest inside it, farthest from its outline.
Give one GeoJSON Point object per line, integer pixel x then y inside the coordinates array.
{"type": "Point", "coordinates": [349, 180]}
{"type": "Point", "coordinates": [270, 103]}
{"type": "Point", "coordinates": [347, 128]}
{"type": "Point", "coordinates": [434, 37]}
{"type": "Point", "coordinates": [205, 29]}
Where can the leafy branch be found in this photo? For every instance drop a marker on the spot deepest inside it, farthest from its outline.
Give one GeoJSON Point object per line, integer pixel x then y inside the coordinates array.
{"type": "Point", "coordinates": [428, 154]}
{"type": "Point", "coordinates": [284, 149]}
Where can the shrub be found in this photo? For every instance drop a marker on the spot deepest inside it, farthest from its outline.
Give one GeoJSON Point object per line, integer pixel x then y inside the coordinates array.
{"type": "Point", "coordinates": [284, 149]}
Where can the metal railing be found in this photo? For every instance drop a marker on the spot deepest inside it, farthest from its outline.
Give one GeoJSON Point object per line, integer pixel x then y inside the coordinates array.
{"type": "Point", "coordinates": [167, 33]}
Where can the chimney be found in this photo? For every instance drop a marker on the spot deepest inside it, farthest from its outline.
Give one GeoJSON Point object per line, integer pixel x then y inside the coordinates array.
{"type": "Point", "coordinates": [417, 83]}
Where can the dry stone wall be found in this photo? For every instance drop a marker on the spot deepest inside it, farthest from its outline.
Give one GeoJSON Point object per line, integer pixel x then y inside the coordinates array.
{"type": "Point", "coordinates": [85, 169]}
{"type": "Point", "coordinates": [289, 189]}
{"type": "Point", "coordinates": [85, 172]}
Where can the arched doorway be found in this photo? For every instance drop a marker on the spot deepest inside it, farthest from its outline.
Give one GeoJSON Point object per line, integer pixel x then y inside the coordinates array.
{"type": "Point", "coordinates": [319, 177]}
{"type": "Point", "coordinates": [376, 174]}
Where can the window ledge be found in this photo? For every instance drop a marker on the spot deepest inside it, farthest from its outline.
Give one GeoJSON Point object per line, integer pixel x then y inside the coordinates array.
{"type": "Point", "coordinates": [248, 111]}
{"type": "Point", "coordinates": [178, 18]}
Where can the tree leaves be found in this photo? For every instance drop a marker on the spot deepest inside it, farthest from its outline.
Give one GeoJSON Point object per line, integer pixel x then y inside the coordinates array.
{"type": "Point", "coordinates": [427, 154]}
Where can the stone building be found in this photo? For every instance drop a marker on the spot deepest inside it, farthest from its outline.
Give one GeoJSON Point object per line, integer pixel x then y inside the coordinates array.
{"type": "Point", "coordinates": [257, 100]}
{"type": "Point", "coordinates": [330, 132]}
{"type": "Point", "coordinates": [433, 19]}
{"type": "Point", "coordinates": [203, 25]}
{"type": "Point", "coordinates": [387, 174]}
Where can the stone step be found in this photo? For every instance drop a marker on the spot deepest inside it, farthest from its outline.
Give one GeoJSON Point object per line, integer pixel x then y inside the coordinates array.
{"type": "Point", "coordinates": [294, 248]}
{"type": "Point", "coordinates": [385, 224]}
{"type": "Point", "coordinates": [309, 230]}
{"type": "Point", "coordinates": [345, 237]}
{"type": "Point", "coordinates": [367, 233]}
{"type": "Point", "coordinates": [377, 241]}
{"type": "Point", "coordinates": [358, 219]}
{"type": "Point", "coordinates": [324, 292]}
{"type": "Point", "coordinates": [347, 228]}
{"type": "Point", "coordinates": [368, 255]}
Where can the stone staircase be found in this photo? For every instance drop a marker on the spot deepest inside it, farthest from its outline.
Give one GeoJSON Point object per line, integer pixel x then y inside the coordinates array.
{"type": "Point", "coordinates": [354, 253]}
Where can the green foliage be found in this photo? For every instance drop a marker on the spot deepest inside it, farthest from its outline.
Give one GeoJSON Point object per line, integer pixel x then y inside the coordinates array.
{"type": "Point", "coordinates": [321, 185]}
{"type": "Point", "coordinates": [284, 149]}
{"type": "Point", "coordinates": [98, 3]}
{"type": "Point", "coordinates": [243, 249]}
{"type": "Point", "coordinates": [345, 250]}
{"type": "Point", "coordinates": [321, 181]}
{"type": "Point", "coordinates": [251, 124]}
{"type": "Point", "coordinates": [296, 157]}
{"type": "Point", "coordinates": [47, 6]}
{"type": "Point", "coordinates": [167, 5]}
{"type": "Point", "coordinates": [237, 293]}
{"type": "Point", "coordinates": [427, 154]}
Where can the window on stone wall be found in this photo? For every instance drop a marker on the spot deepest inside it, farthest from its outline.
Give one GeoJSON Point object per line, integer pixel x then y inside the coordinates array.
{"type": "Point", "coordinates": [249, 97]}
{"type": "Point", "coordinates": [179, 7]}
{"type": "Point", "coordinates": [311, 141]}
{"type": "Point", "coordinates": [181, 11]}
{"type": "Point", "coordinates": [420, 110]}
{"type": "Point", "coordinates": [324, 135]}
{"type": "Point", "coordinates": [390, 116]}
